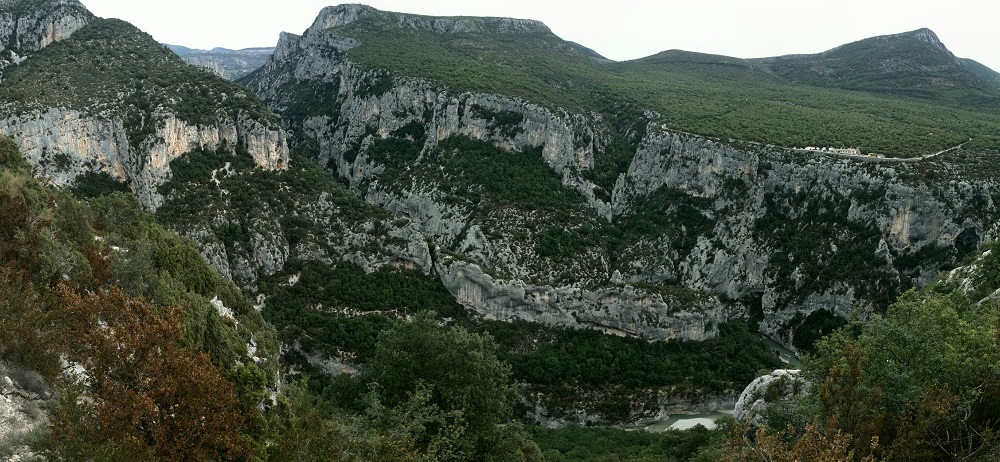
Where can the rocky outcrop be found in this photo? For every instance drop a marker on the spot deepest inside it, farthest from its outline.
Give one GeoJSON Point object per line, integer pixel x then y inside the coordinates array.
{"type": "Point", "coordinates": [66, 143]}
{"type": "Point", "coordinates": [444, 116]}
{"type": "Point", "coordinates": [210, 63]}
{"type": "Point", "coordinates": [782, 386]}
{"type": "Point", "coordinates": [741, 188]}
{"type": "Point", "coordinates": [567, 140]}
{"type": "Point", "coordinates": [339, 15]}
{"type": "Point", "coordinates": [623, 311]}
{"type": "Point", "coordinates": [28, 26]}
{"type": "Point", "coordinates": [118, 126]}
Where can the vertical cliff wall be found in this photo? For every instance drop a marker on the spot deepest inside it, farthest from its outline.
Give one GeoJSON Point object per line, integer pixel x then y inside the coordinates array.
{"type": "Point", "coordinates": [66, 143]}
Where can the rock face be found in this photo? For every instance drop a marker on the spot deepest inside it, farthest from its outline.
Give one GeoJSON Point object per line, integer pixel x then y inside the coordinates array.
{"type": "Point", "coordinates": [624, 311]}
{"type": "Point", "coordinates": [780, 386]}
{"type": "Point", "coordinates": [877, 220]}
{"type": "Point", "coordinates": [66, 143]}
{"type": "Point", "coordinates": [28, 26]}
{"type": "Point", "coordinates": [776, 232]}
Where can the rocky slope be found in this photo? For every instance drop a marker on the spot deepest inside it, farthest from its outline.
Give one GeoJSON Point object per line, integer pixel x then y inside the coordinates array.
{"type": "Point", "coordinates": [776, 233]}
{"type": "Point", "coordinates": [23, 395]}
{"type": "Point", "coordinates": [66, 143]}
{"type": "Point", "coordinates": [506, 199]}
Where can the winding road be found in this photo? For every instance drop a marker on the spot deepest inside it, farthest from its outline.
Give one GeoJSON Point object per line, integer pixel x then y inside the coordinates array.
{"type": "Point", "coordinates": [884, 159]}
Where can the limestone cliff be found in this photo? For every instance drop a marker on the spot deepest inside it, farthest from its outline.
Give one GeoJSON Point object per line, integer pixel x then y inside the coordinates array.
{"type": "Point", "coordinates": [66, 143]}
{"type": "Point", "coordinates": [615, 310]}
{"type": "Point", "coordinates": [777, 233]}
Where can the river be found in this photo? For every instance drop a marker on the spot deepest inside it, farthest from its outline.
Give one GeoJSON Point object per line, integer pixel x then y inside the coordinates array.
{"type": "Point", "coordinates": [688, 421]}
{"type": "Point", "coordinates": [787, 356]}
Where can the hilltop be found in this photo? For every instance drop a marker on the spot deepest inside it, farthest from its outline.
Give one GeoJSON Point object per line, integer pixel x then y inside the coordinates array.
{"type": "Point", "coordinates": [109, 98]}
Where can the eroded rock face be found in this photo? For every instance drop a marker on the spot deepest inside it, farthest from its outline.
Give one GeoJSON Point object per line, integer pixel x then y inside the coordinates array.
{"type": "Point", "coordinates": [864, 201]}
{"type": "Point", "coordinates": [783, 232]}
{"type": "Point", "coordinates": [65, 143]}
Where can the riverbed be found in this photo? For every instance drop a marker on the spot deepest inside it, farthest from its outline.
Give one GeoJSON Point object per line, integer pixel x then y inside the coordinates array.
{"type": "Point", "coordinates": [688, 421]}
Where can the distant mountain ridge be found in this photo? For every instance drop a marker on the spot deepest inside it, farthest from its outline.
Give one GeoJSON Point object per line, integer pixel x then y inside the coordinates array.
{"type": "Point", "coordinates": [227, 63]}
{"type": "Point", "coordinates": [914, 63]}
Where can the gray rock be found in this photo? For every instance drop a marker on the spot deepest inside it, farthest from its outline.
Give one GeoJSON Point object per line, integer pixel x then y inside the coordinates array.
{"type": "Point", "coordinates": [21, 415]}
{"type": "Point", "coordinates": [94, 142]}
{"type": "Point", "coordinates": [780, 386]}
{"type": "Point", "coordinates": [624, 311]}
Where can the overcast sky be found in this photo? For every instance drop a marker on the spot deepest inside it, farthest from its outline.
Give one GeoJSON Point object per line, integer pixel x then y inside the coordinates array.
{"type": "Point", "coordinates": [618, 29]}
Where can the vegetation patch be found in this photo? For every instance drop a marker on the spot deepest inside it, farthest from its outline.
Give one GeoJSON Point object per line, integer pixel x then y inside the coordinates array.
{"type": "Point", "coordinates": [507, 123]}
{"type": "Point", "coordinates": [583, 444]}
{"type": "Point", "coordinates": [332, 307]}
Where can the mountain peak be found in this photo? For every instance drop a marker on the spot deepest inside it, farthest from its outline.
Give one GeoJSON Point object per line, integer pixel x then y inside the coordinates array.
{"type": "Point", "coordinates": [341, 15]}
{"type": "Point", "coordinates": [928, 36]}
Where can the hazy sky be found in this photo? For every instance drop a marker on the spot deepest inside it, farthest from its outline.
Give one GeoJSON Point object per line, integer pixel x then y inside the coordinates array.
{"type": "Point", "coordinates": [618, 29]}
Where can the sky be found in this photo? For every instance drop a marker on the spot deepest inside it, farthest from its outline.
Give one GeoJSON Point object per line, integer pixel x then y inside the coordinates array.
{"type": "Point", "coordinates": [618, 29]}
